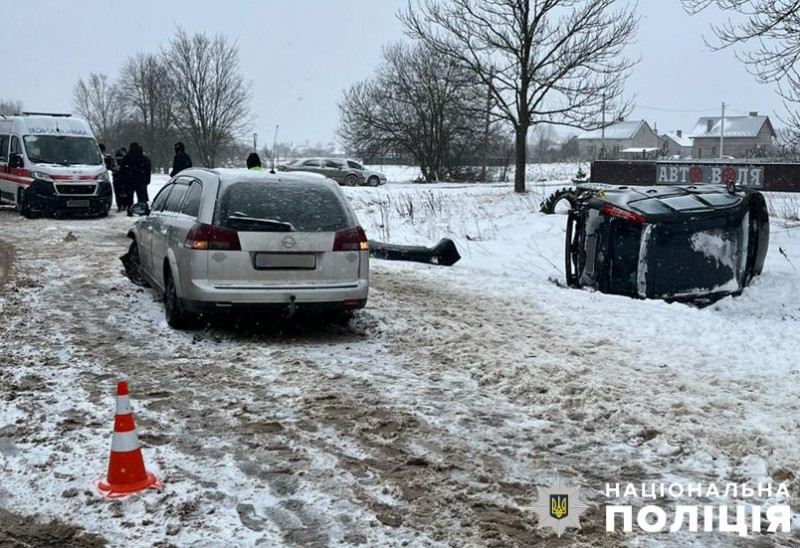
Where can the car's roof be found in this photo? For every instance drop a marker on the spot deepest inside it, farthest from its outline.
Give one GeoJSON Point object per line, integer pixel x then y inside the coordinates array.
{"type": "Point", "coordinates": [231, 175]}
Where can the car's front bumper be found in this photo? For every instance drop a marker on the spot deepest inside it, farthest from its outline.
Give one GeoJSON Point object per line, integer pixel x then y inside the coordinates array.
{"type": "Point", "coordinates": [41, 196]}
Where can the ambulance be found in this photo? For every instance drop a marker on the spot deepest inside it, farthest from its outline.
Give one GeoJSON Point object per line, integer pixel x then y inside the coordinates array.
{"type": "Point", "coordinates": [50, 164]}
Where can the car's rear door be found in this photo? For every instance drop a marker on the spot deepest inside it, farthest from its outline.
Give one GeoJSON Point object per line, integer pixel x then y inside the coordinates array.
{"type": "Point", "coordinates": [334, 170]}
{"type": "Point", "coordinates": [291, 235]}
{"type": "Point", "coordinates": [146, 227]}
{"type": "Point", "coordinates": [313, 165]}
{"type": "Point", "coordinates": [164, 227]}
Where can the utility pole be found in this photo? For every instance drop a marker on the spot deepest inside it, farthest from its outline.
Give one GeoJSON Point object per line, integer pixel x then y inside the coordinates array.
{"type": "Point", "coordinates": [255, 142]}
{"type": "Point", "coordinates": [603, 130]}
{"type": "Point", "coordinates": [721, 130]}
{"type": "Point", "coordinates": [486, 126]}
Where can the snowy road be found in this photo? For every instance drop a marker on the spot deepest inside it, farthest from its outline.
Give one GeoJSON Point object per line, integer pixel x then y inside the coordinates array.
{"type": "Point", "coordinates": [428, 421]}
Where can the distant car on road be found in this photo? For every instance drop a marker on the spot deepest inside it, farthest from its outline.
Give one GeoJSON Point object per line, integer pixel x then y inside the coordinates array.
{"type": "Point", "coordinates": [250, 240]}
{"type": "Point", "coordinates": [343, 171]}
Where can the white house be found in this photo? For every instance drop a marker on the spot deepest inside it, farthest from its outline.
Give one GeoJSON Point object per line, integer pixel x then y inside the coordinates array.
{"type": "Point", "coordinates": [624, 139]}
{"type": "Point", "coordinates": [675, 143]}
{"type": "Point", "coordinates": [742, 136]}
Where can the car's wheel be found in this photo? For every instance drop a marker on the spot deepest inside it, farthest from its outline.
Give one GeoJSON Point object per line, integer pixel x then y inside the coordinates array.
{"type": "Point", "coordinates": [23, 205]}
{"type": "Point", "coordinates": [552, 203]}
{"type": "Point", "coordinates": [133, 266]}
{"type": "Point", "coordinates": [373, 181]}
{"type": "Point", "coordinates": [177, 317]}
{"type": "Point", "coordinates": [350, 180]}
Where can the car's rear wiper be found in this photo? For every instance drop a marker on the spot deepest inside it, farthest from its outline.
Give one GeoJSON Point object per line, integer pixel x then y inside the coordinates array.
{"type": "Point", "coordinates": [272, 224]}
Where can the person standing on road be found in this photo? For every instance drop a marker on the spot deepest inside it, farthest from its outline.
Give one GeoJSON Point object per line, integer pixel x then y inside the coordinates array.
{"type": "Point", "coordinates": [136, 170]}
{"type": "Point", "coordinates": [254, 162]}
{"type": "Point", "coordinates": [122, 192]}
{"type": "Point", "coordinates": [107, 159]}
{"type": "Point", "coordinates": [181, 160]}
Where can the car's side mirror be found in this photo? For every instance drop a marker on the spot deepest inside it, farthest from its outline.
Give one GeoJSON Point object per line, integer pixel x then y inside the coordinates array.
{"type": "Point", "coordinates": [140, 208]}
{"type": "Point", "coordinates": [15, 160]}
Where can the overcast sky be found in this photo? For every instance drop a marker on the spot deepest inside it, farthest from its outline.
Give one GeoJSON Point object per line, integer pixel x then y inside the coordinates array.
{"type": "Point", "coordinates": [300, 55]}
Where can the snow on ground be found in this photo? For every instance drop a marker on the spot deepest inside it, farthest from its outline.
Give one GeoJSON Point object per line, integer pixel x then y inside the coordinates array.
{"type": "Point", "coordinates": [428, 421]}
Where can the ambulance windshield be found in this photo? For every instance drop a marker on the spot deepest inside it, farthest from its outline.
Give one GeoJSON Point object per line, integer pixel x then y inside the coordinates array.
{"type": "Point", "coordinates": [65, 150]}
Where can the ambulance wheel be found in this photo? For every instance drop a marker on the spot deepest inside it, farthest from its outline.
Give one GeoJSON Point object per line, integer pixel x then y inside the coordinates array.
{"type": "Point", "coordinates": [23, 205]}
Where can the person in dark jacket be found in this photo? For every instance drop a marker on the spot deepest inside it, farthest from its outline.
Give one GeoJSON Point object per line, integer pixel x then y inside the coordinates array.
{"type": "Point", "coordinates": [122, 192]}
{"type": "Point", "coordinates": [136, 170]}
{"type": "Point", "coordinates": [107, 159]}
{"type": "Point", "coordinates": [254, 162]}
{"type": "Point", "coordinates": [181, 160]}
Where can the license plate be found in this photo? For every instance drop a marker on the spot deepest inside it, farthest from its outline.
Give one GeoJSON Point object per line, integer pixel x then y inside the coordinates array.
{"type": "Point", "coordinates": [77, 203]}
{"type": "Point", "coordinates": [285, 261]}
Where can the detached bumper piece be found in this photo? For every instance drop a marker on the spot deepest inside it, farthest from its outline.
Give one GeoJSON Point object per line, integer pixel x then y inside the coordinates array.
{"type": "Point", "coordinates": [694, 243]}
{"type": "Point", "coordinates": [443, 254]}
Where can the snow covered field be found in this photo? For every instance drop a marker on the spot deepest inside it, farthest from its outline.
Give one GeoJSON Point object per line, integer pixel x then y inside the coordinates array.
{"type": "Point", "coordinates": [429, 420]}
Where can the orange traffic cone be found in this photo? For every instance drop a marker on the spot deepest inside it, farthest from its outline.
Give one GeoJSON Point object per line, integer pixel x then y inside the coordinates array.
{"type": "Point", "coordinates": [126, 473]}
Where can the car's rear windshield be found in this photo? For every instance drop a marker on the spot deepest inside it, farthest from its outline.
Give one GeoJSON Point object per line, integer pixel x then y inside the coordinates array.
{"type": "Point", "coordinates": [306, 207]}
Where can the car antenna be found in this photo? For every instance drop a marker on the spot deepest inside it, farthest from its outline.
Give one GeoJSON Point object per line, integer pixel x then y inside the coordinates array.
{"type": "Point", "coordinates": [274, 144]}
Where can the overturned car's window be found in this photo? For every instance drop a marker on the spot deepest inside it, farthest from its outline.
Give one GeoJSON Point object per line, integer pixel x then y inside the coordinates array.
{"type": "Point", "coordinates": [307, 208]}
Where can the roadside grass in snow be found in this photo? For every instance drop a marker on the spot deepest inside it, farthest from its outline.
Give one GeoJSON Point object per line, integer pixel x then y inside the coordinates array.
{"type": "Point", "coordinates": [784, 205]}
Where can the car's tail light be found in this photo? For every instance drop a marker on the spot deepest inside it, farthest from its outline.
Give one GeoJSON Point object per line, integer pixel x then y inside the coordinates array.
{"type": "Point", "coordinates": [351, 239]}
{"type": "Point", "coordinates": [613, 211]}
{"type": "Point", "coordinates": [207, 237]}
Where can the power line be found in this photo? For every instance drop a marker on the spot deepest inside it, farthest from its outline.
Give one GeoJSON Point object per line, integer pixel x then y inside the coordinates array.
{"type": "Point", "coordinates": [705, 110]}
{"type": "Point", "coordinates": [676, 109]}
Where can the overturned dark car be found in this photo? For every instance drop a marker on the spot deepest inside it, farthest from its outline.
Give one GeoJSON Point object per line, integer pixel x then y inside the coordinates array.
{"type": "Point", "coordinates": [693, 243]}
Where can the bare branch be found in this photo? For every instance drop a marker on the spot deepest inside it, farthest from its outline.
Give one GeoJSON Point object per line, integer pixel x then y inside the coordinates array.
{"type": "Point", "coordinates": [211, 93]}
{"type": "Point", "coordinates": [544, 61]}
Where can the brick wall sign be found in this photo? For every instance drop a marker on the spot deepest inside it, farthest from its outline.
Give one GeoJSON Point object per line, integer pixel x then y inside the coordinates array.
{"type": "Point", "coordinates": [780, 177]}
{"type": "Point", "coordinates": [686, 174]}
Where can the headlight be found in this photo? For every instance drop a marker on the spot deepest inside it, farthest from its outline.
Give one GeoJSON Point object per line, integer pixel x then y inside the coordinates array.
{"type": "Point", "coordinates": [102, 177]}
{"type": "Point", "coordinates": [41, 176]}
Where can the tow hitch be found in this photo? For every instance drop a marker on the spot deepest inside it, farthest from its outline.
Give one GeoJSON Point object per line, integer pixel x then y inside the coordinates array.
{"type": "Point", "coordinates": [292, 308]}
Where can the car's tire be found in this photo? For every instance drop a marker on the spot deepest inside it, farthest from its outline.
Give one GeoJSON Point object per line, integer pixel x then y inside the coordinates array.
{"type": "Point", "coordinates": [350, 180]}
{"type": "Point", "coordinates": [548, 205]}
{"type": "Point", "coordinates": [177, 317]}
{"type": "Point", "coordinates": [23, 205]}
{"type": "Point", "coordinates": [373, 181]}
{"type": "Point", "coordinates": [133, 268]}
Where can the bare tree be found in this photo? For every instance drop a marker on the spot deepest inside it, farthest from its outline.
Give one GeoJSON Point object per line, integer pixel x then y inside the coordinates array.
{"type": "Point", "coordinates": [147, 90]}
{"type": "Point", "coordinates": [10, 108]}
{"type": "Point", "coordinates": [554, 61]}
{"type": "Point", "coordinates": [212, 96]}
{"type": "Point", "coordinates": [774, 26]}
{"type": "Point", "coordinates": [100, 102]}
{"type": "Point", "coordinates": [418, 104]}
{"type": "Point", "coordinates": [543, 140]}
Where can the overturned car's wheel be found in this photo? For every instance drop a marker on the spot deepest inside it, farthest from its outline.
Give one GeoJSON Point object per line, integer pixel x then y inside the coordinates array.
{"type": "Point", "coordinates": [549, 205]}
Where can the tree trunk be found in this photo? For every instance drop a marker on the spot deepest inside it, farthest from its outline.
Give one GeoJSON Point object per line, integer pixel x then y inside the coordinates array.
{"type": "Point", "coordinates": [520, 158]}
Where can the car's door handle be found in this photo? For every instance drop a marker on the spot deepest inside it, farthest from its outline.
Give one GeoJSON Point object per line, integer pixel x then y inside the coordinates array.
{"type": "Point", "coordinates": [150, 228]}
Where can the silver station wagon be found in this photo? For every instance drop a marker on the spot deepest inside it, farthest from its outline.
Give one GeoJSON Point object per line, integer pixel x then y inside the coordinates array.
{"type": "Point", "coordinates": [233, 239]}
